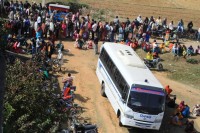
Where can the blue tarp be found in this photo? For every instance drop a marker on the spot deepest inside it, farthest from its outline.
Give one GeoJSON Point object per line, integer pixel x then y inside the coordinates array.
{"type": "Point", "coordinates": [60, 16]}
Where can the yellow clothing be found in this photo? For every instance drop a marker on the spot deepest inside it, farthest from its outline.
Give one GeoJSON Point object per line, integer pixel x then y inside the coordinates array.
{"type": "Point", "coordinates": [149, 56]}
{"type": "Point", "coordinates": [167, 43]}
{"type": "Point", "coordinates": [162, 47]}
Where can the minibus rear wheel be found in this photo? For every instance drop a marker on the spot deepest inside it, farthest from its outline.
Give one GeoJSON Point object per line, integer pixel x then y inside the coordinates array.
{"type": "Point", "coordinates": [103, 89]}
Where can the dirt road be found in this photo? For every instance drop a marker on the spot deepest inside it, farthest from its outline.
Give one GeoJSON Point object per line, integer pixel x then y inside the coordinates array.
{"type": "Point", "coordinates": [82, 65]}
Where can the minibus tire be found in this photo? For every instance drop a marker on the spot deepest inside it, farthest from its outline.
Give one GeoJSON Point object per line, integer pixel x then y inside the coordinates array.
{"type": "Point", "coordinates": [103, 90]}
{"type": "Point", "coordinates": [120, 123]}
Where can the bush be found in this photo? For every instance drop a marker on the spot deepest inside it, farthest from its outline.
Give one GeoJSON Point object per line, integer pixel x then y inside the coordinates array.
{"type": "Point", "coordinates": [192, 61]}
{"type": "Point", "coordinates": [74, 5]}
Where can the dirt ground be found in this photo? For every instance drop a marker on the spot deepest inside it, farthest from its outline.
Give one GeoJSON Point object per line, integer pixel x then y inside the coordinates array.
{"type": "Point", "coordinates": [188, 10]}
{"type": "Point", "coordinates": [97, 109]}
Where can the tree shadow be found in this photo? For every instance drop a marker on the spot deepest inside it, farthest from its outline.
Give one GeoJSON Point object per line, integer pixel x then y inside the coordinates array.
{"type": "Point", "coordinates": [65, 60]}
{"type": "Point", "coordinates": [69, 71]}
{"type": "Point", "coordinates": [81, 98]}
{"type": "Point", "coordinates": [68, 53]}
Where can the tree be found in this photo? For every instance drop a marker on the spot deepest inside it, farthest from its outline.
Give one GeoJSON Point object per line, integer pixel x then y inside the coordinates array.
{"type": "Point", "coordinates": [2, 86]}
{"type": "Point", "coordinates": [2, 72]}
{"type": "Point", "coordinates": [30, 100]}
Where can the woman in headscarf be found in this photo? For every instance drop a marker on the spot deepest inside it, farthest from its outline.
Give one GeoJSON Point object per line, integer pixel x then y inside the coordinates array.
{"type": "Point", "coordinates": [181, 106]}
{"type": "Point", "coordinates": [63, 29]}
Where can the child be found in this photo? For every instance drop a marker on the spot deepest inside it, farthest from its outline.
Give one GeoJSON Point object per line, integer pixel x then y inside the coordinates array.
{"type": "Point", "coordinates": [175, 120]}
{"type": "Point", "coordinates": [90, 44]}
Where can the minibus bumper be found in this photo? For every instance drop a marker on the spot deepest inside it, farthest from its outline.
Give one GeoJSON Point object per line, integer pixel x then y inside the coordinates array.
{"type": "Point", "coordinates": [140, 124]}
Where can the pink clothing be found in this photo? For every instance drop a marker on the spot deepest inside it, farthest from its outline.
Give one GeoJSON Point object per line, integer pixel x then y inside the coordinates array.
{"type": "Point", "coordinates": [181, 105]}
{"type": "Point", "coordinates": [64, 27]}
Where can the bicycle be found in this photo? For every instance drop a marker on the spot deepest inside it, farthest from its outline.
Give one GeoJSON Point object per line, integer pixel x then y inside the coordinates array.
{"type": "Point", "coordinates": [56, 66]}
{"type": "Point", "coordinates": [76, 127]}
{"type": "Point", "coordinates": [76, 110]}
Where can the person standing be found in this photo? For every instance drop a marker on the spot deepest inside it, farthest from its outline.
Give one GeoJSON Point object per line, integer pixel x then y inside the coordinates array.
{"type": "Point", "coordinates": [94, 28]}
{"type": "Point", "coordinates": [198, 35]}
{"type": "Point", "coordinates": [51, 28]}
{"type": "Point", "coordinates": [96, 40]}
{"type": "Point", "coordinates": [60, 58]}
{"type": "Point", "coordinates": [171, 26]}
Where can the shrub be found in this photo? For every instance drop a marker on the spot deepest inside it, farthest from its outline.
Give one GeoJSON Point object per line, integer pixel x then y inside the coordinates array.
{"type": "Point", "coordinates": [192, 61]}
{"type": "Point", "coordinates": [74, 5]}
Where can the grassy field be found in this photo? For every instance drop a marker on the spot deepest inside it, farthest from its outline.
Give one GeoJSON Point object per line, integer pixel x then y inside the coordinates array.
{"type": "Point", "coordinates": [179, 70]}
{"type": "Point", "coordinates": [171, 9]}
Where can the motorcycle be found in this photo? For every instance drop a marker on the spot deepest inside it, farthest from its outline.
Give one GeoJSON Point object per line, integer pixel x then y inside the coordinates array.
{"type": "Point", "coordinates": [81, 128]}
{"type": "Point", "coordinates": [155, 64]}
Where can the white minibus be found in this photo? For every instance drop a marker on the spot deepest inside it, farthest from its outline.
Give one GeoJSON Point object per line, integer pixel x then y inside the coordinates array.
{"type": "Point", "coordinates": [136, 96]}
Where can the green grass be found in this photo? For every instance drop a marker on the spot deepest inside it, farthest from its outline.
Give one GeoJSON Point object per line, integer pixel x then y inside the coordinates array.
{"type": "Point", "coordinates": [180, 70]}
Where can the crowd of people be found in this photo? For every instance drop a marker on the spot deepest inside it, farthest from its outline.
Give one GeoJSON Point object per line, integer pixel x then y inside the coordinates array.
{"type": "Point", "coordinates": [181, 112]}
{"type": "Point", "coordinates": [39, 24]}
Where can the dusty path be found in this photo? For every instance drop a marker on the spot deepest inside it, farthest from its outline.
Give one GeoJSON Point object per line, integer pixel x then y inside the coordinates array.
{"type": "Point", "coordinates": [82, 65]}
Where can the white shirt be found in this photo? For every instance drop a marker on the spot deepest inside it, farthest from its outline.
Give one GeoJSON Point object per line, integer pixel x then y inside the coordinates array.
{"type": "Point", "coordinates": [139, 19]}
{"type": "Point", "coordinates": [35, 25]}
{"type": "Point", "coordinates": [39, 20]}
{"type": "Point", "coordinates": [37, 43]}
{"type": "Point", "coordinates": [94, 27]}
{"type": "Point", "coordinates": [171, 26]}
{"type": "Point", "coordinates": [159, 22]}
{"type": "Point", "coordinates": [51, 26]}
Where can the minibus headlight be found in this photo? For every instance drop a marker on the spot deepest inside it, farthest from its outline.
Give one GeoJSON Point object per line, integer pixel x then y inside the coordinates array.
{"type": "Point", "coordinates": [129, 116]}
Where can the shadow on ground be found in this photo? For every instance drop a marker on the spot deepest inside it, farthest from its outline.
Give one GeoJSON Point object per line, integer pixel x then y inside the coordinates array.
{"type": "Point", "coordinates": [81, 98]}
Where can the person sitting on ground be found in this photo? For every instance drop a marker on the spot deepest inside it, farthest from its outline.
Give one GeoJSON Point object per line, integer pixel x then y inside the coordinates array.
{"type": "Point", "coordinates": [134, 43]}
{"type": "Point", "coordinates": [177, 110]}
{"type": "Point", "coordinates": [90, 44]}
{"type": "Point", "coordinates": [171, 102]}
{"type": "Point", "coordinates": [68, 81]}
{"type": "Point", "coordinates": [181, 106]}
{"type": "Point", "coordinates": [175, 50]}
{"type": "Point", "coordinates": [162, 48]}
{"type": "Point", "coordinates": [156, 48]}
{"type": "Point", "coordinates": [175, 120]}
{"type": "Point", "coordinates": [190, 51]}
{"type": "Point", "coordinates": [66, 93]}
{"type": "Point", "coordinates": [186, 111]}
{"type": "Point", "coordinates": [189, 127]}
{"type": "Point", "coordinates": [198, 50]}
{"type": "Point", "coordinates": [196, 110]}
